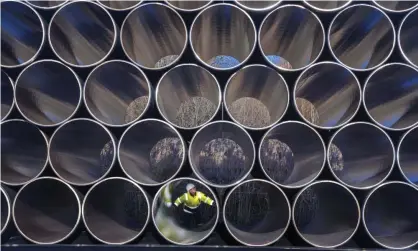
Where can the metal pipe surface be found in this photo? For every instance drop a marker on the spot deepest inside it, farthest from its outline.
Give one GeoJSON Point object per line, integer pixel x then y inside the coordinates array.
{"type": "Point", "coordinates": [48, 93]}
{"type": "Point", "coordinates": [153, 36]}
{"type": "Point", "coordinates": [292, 154]}
{"type": "Point", "coordinates": [396, 6]}
{"type": "Point", "coordinates": [256, 212]}
{"type": "Point", "coordinates": [390, 96]}
{"type": "Point", "coordinates": [327, 6]}
{"type": "Point", "coordinates": [82, 151]}
{"type": "Point", "coordinates": [301, 36]}
{"type": "Point", "coordinates": [120, 5]}
{"type": "Point", "coordinates": [390, 215]}
{"type": "Point", "coordinates": [82, 33]}
{"type": "Point", "coordinates": [188, 6]}
{"type": "Point", "coordinates": [362, 37]}
{"type": "Point", "coordinates": [46, 4]}
{"type": "Point", "coordinates": [117, 93]}
{"type": "Point", "coordinates": [24, 152]}
{"type": "Point", "coordinates": [7, 95]}
{"type": "Point", "coordinates": [407, 37]}
{"type": "Point", "coordinates": [327, 95]}
{"type": "Point", "coordinates": [22, 34]}
{"type": "Point", "coordinates": [188, 96]}
{"type": "Point", "coordinates": [256, 97]}
{"type": "Point", "coordinates": [47, 211]}
{"type": "Point", "coordinates": [6, 211]}
{"type": "Point", "coordinates": [116, 211]}
{"type": "Point", "coordinates": [223, 36]}
{"type": "Point", "coordinates": [407, 156]}
{"type": "Point", "coordinates": [222, 154]}
{"type": "Point", "coordinates": [326, 214]}
{"type": "Point", "coordinates": [257, 5]}
{"type": "Point", "coordinates": [177, 225]}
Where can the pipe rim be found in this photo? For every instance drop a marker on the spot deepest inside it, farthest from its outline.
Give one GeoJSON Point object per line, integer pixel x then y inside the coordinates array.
{"type": "Point", "coordinates": [123, 9]}
{"type": "Point", "coordinates": [47, 8]}
{"type": "Point", "coordinates": [188, 10]}
{"type": "Point", "coordinates": [9, 210]}
{"type": "Point", "coordinates": [399, 38]}
{"type": "Point", "coordinates": [258, 9]}
{"type": "Point", "coordinates": [398, 155]}
{"type": "Point", "coordinates": [12, 106]}
{"type": "Point", "coordinates": [327, 10]}
{"type": "Point", "coordinates": [392, 10]}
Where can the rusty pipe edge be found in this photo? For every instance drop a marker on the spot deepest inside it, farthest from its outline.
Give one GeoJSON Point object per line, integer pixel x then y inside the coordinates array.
{"type": "Point", "coordinates": [188, 96]}
{"type": "Point", "coordinates": [396, 6]}
{"type": "Point", "coordinates": [120, 5]}
{"type": "Point", "coordinates": [327, 6]}
{"type": "Point", "coordinates": [189, 6]}
{"type": "Point", "coordinates": [390, 96]}
{"type": "Point", "coordinates": [407, 37]}
{"type": "Point", "coordinates": [257, 6]}
{"type": "Point", "coordinates": [235, 40]}
{"type": "Point", "coordinates": [7, 95]}
{"type": "Point", "coordinates": [390, 215]}
{"type": "Point", "coordinates": [172, 222]}
{"type": "Point", "coordinates": [46, 4]}
{"type": "Point", "coordinates": [407, 157]}
{"type": "Point", "coordinates": [113, 103]}
{"type": "Point", "coordinates": [82, 151]}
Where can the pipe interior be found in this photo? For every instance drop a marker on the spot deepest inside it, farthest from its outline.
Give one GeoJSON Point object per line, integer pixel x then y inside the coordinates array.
{"type": "Point", "coordinates": [396, 5]}
{"type": "Point", "coordinates": [120, 5]}
{"type": "Point", "coordinates": [292, 154]}
{"type": "Point", "coordinates": [115, 211]}
{"type": "Point", "coordinates": [258, 5]}
{"type": "Point", "coordinates": [46, 211]}
{"type": "Point", "coordinates": [115, 103]}
{"type": "Point", "coordinates": [82, 33]}
{"type": "Point", "coordinates": [326, 214]}
{"type": "Point", "coordinates": [391, 96]}
{"type": "Point", "coordinates": [327, 5]}
{"type": "Point", "coordinates": [223, 36]}
{"type": "Point", "coordinates": [361, 37]}
{"type": "Point", "coordinates": [408, 35]}
{"type": "Point", "coordinates": [47, 93]}
{"type": "Point", "coordinates": [222, 153]}
{"type": "Point", "coordinates": [189, 5]}
{"type": "Point", "coordinates": [7, 95]}
{"type": "Point", "coordinates": [256, 96]}
{"type": "Point", "coordinates": [300, 33]}
{"type": "Point", "coordinates": [390, 215]}
{"type": "Point", "coordinates": [408, 158]}
{"type": "Point", "coordinates": [153, 36]}
{"type": "Point", "coordinates": [47, 3]}
{"type": "Point", "coordinates": [151, 152]}
{"type": "Point", "coordinates": [327, 95]}
{"type": "Point", "coordinates": [5, 211]}
{"type": "Point", "coordinates": [257, 213]}
{"type": "Point", "coordinates": [81, 152]}
{"type": "Point", "coordinates": [24, 152]}
{"type": "Point", "coordinates": [22, 33]}
{"type": "Point", "coordinates": [188, 96]}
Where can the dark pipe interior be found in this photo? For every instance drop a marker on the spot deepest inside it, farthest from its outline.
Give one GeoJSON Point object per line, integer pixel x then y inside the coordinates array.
{"type": "Point", "coordinates": [7, 94]}
{"type": "Point", "coordinates": [189, 5]}
{"type": "Point", "coordinates": [46, 4]}
{"type": "Point", "coordinates": [407, 156]}
{"type": "Point", "coordinates": [258, 5]}
{"type": "Point", "coordinates": [396, 5]}
{"type": "Point", "coordinates": [328, 5]}
{"type": "Point", "coordinates": [5, 210]}
{"type": "Point", "coordinates": [408, 35]}
{"type": "Point", "coordinates": [120, 5]}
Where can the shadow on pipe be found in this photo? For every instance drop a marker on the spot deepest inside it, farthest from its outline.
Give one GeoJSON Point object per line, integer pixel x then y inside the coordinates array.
{"type": "Point", "coordinates": [7, 95]}
{"type": "Point", "coordinates": [292, 154]}
{"type": "Point", "coordinates": [407, 37]}
{"type": "Point", "coordinates": [117, 93]}
{"type": "Point", "coordinates": [82, 33]}
{"type": "Point", "coordinates": [326, 214]}
{"type": "Point", "coordinates": [390, 96]}
{"type": "Point", "coordinates": [222, 154]}
{"type": "Point", "coordinates": [189, 5]}
{"type": "Point", "coordinates": [47, 211]}
{"type": "Point", "coordinates": [258, 5]}
{"type": "Point", "coordinates": [120, 5]}
{"type": "Point", "coordinates": [82, 151]}
{"type": "Point", "coordinates": [390, 215]}
{"type": "Point", "coordinates": [327, 6]}
{"type": "Point", "coordinates": [223, 37]}
{"type": "Point", "coordinates": [407, 156]}
{"type": "Point", "coordinates": [22, 34]}
{"type": "Point", "coordinates": [48, 93]}
{"type": "Point", "coordinates": [256, 97]}
{"type": "Point", "coordinates": [327, 95]}
{"type": "Point", "coordinates": [361, 37]}
{"type": "Point", "coordinates": [396, 6]}
{"type": "Point", "coordinates": [46, 4]}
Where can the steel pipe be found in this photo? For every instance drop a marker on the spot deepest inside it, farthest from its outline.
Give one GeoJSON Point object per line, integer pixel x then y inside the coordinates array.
{"type": "Point", "coordinates": [301, 36]}
{"type": "Point", "coordinates": [256, 97]}
{"type": "Point", "coordinates": [327, 6]}
{"type": "Point", "coordinates": [22, 34]}
{"type": "Point", "coordinates": [24, 152]}
{"type": "Point", "coordinates": [46, 4]}
{"type": "Point", "coordinates": [188, 96]}
{"type": "Point", "coordinates": [120, 5]}
{"type": "Point", "coordinates": [327, 95]}
{"type": "Point", "coordinates": [175, 223]}
{"type": "Point", "coordinates": [326, 214]}
{"type": "Point", "coordinates": [292, 154]}
{"type": "Point", "coordinates": [407, 156]}
{"type": "Point", "coordinates": [258, 5]}
{"type": "Point", "coordinates": [82, 151]}
{"type": "Point", "coordinates": [82, 33]}
{"type": "Point", "coordinates": [6, 212]}
{"type": "Point", "coordinates": [396, 6]}
{"type": "Point", "coordinates": [390, 215]}
{"type": "Point", "coordinates": [154, 36]}
{"type": "Point", "coordinates": [222, 154]}
{"type": "Point", "coordinates": [188, 6]}
{"type": "Point", "coordinates": [390, 96]}
{"type": "Point", "coordinates": [361, 155]}
{"type": "Point", "coordinates": [362, 37]}
{"type": "Point", "coordinates": [47, 211]}
{"type": "Point", "coordinates": [113, 103]}
{"type": "Point", "coordinates": [223, 36]}
{"type": "Point", "coordinates": [407, 37]}
{"type": "Point", "coordinates": [7, 95]}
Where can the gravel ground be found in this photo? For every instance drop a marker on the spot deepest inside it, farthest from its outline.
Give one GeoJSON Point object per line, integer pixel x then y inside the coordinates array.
{"type": "Point", "coordinates": [277, 160]}
{"type": "Point", "coordinates": [306, 207]}
{"type": "Point", "coordinates": [136, 108]}
{"type": "Point", "coordinates": [223, 61]}
{"type": "Point", "coordinates": [165, 61]}
{"type": "Point", "coordinates": [106, 158]}
{"type": "Point", "coordinates": [165, 158]}
{"type": "Point", "coordinates": [250, 112]}
{"type": "Point", "coordinates": [336, 158]}
{"type": "Point", "coordinates": [308, 110]}
{"type": "Point", "coordinates": [195, 112]}
{"type": "Point", "coordinates": [279, 61]}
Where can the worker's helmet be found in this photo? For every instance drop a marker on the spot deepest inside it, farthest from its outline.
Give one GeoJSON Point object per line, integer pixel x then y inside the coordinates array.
{"type": "Point", "coordinates": [190, 186]}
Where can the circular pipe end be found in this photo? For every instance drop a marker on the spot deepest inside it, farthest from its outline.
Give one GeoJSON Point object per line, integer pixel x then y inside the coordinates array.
{"type": "Point", "coordinates": [120, 5]}
{"type": "Point", "coordinates": [327, 6]}
{"type": "Point", "coordinates": [396, 6]}
{"type": "Point", "coordinates": [46, 4]}
{"type": "Point", "coordinates": [188, 6]}
{"type": "Point", "coordinates": [257, 6]}
{"type": "Point", "coordinates": [407, 157]}
{"type": "Point", "coordinates": [407, 37]}
{"type": "Point", "coordinates": [6, 209]}
{"type": "Point", "coordinates": [7, 96]}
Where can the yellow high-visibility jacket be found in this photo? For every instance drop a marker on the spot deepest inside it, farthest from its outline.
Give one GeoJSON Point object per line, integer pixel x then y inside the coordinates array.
{"type": "Point", "coordinates": [193, 201]}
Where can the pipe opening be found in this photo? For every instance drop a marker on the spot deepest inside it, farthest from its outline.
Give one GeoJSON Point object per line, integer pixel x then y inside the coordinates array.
{"type": "Point", "coordinates": [222, 154]}
{"type": "Point", "coordinates": [327, 5]}
{"type": "Point", "coordinates": [396, 6]}
{"type": "Point", "coordinates": [24, 152]}
{"type": "Point", "coordinates": [407, 155]}
{"type": "Point", "coordinates": [258, 5]}
{"type": "Point", "coordinates": [390, 215]}
{"type": "Point", "coordinates": [301, 36]}
{"type": "Point", "coordinates": [120, 5]}
{"type": "Point", "coordinates": [408, 35]}
{"type": "Point", "coordinates": [292, 154]}
{"type": "Point", "coordinates": [82, 151]}
{"type": "Point", "coordinates": [7, 95]}
{"type": "Point", "coordinates": [223, 36]}
{"type": "Point", "coordinates": [5, 210]}
{"type": "Point", "coordinates": [151, 152]}
{"type": "Point", "coordinates": [327, 95]}
{"type": "Point", "coordinates": [326, 214]}
{"type": "Point", "coordinates": [46, 211]}
{"type": "Point", "coordinates": [361, 37]}
{"type": "Point", "coordinates": [189, 5]}
{"type": "Point", "coordinates": [46, 4]}
{"type": "Point", "coordinates": [256, 97]}
{"type": "Point", "coordinates": [391, 96]}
